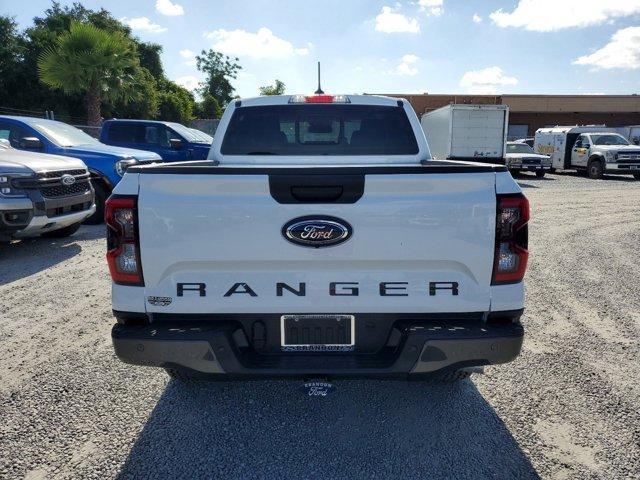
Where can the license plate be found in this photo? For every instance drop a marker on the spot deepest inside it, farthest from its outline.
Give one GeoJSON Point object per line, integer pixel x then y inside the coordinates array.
{"type": "Point", "coordinates": [317, 333]}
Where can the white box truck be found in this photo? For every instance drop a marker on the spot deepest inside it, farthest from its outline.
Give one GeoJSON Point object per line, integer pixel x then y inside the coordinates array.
{"type": "Point", "coordinates": [467, 132]}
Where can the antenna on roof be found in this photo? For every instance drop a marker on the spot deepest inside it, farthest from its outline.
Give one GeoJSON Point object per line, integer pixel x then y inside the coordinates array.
{"type": "Point", "coordinates": [319, 90]}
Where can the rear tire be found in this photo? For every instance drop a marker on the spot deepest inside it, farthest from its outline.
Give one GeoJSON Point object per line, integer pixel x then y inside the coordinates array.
{"type": "Point", "coordinates": [636, 176]}
{"type": "Point", "coordinates": [101, 196]}
{"type": "Point", "coordinates": [540, 173]}
{"type": "Point", "coordinates": [63, 232]}
{"type": "Point", "coordinates": [595, 169]}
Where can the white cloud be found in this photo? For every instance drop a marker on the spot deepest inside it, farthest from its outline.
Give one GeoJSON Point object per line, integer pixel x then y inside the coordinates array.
{"type": "Point", "coordinates": [550, 15]}
{"type": "Point", "coordinates": [189, 82]}
{"type": "Point", "coordinates": [190, 56]}
{"type": "Point", "coordinates": [486, 81]}
{"type": "Point", "coordinates": [165, 7]}
{"type": "Point", "coordinates": [143, 24]}
{"type": "Point", "coordinates": [622, 51]}
{"type": "Point", "coordinates": [477, 18]}
{"type": "Point", "coordinates": [432, 7]}
{"type": "Point", "coordinates": [262, 44]}
{"type": "Point", "coordinates": [407, 67]}
{"type": "Point", "coordinates": [389, 20]}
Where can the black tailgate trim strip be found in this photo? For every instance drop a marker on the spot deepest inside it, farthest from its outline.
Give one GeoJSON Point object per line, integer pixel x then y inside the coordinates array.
{"type": "Point", "coordinates": [209, 168]}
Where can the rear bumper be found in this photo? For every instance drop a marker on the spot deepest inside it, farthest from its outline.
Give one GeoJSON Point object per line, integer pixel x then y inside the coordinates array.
{"type": "Point", "coordinates": [220, 351]}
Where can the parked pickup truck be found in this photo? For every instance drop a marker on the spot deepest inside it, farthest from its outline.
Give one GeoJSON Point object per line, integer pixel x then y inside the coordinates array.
{"type": "Point", "coordinates": [520, 157]}
{"type": "Point", "coordinates": [595, 150]}
{"type": "Point", "coordinates": [319, 239]}
{"type": "Point", "coordinates": [42, 194]}
{"type": "Point", "coordinates": [172, 141]}
{"type": "Point", "coordinates": [106, 163]}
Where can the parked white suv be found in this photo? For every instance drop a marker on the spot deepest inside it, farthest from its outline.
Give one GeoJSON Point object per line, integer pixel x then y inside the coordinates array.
{"type": "Point", "coordinates": [42, 194]}
{"type": "Point", "coordinates": [319, 239]}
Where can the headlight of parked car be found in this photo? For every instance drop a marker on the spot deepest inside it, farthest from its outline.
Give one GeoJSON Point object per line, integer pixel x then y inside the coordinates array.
{"type": "Point", "coordinates": [122, 165]}
{"type": "Point", "coordinates": [610, 156]}
{"type": "Point", "coordinates": [8, 187]}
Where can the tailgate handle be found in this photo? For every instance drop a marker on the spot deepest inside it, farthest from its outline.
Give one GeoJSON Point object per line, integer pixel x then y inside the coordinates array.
{"type": "Point", "coordinates": [316, 194]}
{"type": "Point", "coordinates": [316, 188]}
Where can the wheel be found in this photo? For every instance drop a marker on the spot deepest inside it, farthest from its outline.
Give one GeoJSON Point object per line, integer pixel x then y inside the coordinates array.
{"type": "Point", "coordinates": [552, 170]}
{"type": "Point", "coordinates": [101, 197]}
{"type": "Point", "coordinates": [540, 173]}
{"type": "Point", "coordinates": [595, 169]}
{"type": "Point", "coordinates": [636, 176]}
{"type": "Point", "coordinates": [63, 232]}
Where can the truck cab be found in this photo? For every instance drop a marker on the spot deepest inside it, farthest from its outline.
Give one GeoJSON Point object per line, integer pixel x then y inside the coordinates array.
{"type": "Point", "coordinates": [605, 152]}
{"type": "Point", "coordinates": [172, 141]}
{"type": "Point", "coordinates": [106, 163]}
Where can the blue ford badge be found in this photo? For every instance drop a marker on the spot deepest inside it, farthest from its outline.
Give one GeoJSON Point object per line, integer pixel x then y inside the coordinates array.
{"type": "Point", "coordinates": [317, 231]}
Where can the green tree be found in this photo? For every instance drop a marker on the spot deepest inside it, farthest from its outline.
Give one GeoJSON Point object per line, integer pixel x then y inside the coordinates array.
{"type": "Point", "coordinates": [220, 70]}
{"type": "Point", "coordinates": [91, 61]}
{"type": "Point", "coordinates": [208, 107]}
{"type": "Point", "coordinates": [277, 89]}
{"type": "Point", "coordinates": [175, 102]}
{"type": "Point", "coordinates": [10, 59]}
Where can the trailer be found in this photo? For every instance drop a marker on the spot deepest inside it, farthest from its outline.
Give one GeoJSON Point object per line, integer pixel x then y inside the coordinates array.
{"type": "Point", "coordinates": [467, 132]}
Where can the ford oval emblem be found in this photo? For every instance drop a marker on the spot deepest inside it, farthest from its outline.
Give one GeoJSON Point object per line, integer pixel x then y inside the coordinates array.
{"type": "Point", "coordinates": [67, 179]}
{"type": "Point", "coordinates": [317, 231]}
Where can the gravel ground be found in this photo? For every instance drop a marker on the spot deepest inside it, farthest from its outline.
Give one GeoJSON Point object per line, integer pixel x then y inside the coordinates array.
{"type": "Point", "coordinates": [569, 407]}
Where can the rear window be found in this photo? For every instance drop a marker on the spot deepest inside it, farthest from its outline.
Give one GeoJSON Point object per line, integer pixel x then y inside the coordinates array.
{"type": "Point", "coordinates": [319, 130]}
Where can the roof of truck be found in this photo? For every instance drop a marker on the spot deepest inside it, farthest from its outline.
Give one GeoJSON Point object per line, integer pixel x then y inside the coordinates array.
{"type": "Point", "coordinates": [286, 99]}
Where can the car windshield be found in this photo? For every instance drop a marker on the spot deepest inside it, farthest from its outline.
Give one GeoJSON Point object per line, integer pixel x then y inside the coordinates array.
{"type": "Point", "coordinates": [184, 132]}
{"type": "Point", "coordinates": [202, 136]}
{"type": "Point", "coordinates": [519, 148]}
{"type": "Point", "coordinates": [609, 140]}
{"type": "Point", "coordinates": [62, 134]}
{"type": "Point", "coordinates": [319, 130]}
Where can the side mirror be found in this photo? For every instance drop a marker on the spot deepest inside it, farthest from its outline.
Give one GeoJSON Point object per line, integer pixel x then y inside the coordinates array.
{"type": "Point", "coordinates": [586, 145]}
{"type": "Point", "coordinates": [175, 143]}
{"type": "Point", "coordinates": [30, 143]}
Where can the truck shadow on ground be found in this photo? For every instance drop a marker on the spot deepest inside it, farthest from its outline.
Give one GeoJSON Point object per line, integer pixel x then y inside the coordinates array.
{"type": "Point", "coordinates": [364, 430]}
{"type": "Point", "coordinates": [29, 256]}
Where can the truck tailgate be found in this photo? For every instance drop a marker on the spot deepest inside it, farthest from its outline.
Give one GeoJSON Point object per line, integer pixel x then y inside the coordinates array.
{"type": "Point", "coordinates": [225, 229]}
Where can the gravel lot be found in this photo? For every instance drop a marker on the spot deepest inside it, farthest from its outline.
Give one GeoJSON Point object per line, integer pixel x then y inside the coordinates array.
{"type": "Point", "coordinates": [569, 407]}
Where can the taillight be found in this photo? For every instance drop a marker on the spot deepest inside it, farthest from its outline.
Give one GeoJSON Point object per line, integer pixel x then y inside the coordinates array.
{"type": "Point", "coordinates": [123, 245]}
{"type": "Point", "coordinates": [512, 236]}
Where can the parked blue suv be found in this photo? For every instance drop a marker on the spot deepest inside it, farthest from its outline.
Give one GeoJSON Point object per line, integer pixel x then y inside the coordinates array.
{"type": "Point", "coordinates": [172, 141]}
{"type": "Point", "coordinates": [106, 163]}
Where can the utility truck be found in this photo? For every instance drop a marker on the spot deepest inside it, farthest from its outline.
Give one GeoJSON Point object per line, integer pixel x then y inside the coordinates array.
{"type": "Point", "coordinates": [595, 150]}
{"type": "Point", "coordinates": [467, 132]}
{"type": "Point", "coordinates": [319, 239]}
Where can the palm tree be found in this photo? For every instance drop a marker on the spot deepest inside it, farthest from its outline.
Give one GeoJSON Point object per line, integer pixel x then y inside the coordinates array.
{"type": "Point", "coordinates": [89, 60]}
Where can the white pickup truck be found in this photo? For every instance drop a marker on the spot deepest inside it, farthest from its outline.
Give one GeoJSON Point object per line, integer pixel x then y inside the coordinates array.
{"type": "Point", "coordinates": [318, 240]}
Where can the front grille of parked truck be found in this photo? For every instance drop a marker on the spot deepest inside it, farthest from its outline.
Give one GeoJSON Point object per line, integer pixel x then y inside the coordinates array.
{"type": "Point", "coordinates": [51, 184]}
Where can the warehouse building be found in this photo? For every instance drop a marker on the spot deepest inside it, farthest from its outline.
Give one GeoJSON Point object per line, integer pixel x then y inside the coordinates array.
{"type": "Point", "coordinates": [527, 113]}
